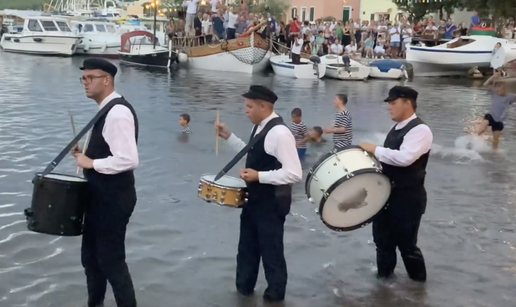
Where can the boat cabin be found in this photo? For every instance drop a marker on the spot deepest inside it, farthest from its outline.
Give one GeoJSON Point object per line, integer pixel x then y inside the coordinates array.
{"type": "Point", "coordinates": [87, 27]}
{"type": "Point", "coordinates": [46, 24]}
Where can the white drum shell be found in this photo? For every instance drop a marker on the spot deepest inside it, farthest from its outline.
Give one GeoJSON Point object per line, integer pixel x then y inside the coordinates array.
{"type": "Point", "coordinates": [361, 172]}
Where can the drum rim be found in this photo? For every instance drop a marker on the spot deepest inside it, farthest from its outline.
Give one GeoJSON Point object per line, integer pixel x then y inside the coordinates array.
{"type": "Point", "coordinates": [322, 159]}
{"type": "Point", "coordinates": [40, 175]}
{"type": "Point", "coordinates": [339, 182]}
{"type": "Point", "coordinates": [223, 186]}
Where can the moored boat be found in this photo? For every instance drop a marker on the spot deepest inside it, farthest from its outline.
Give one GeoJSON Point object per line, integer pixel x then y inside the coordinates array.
{"type": "Point", "coordinates": [141, 48]}
{"type": "Point", "coordinates": [387, 69]}
{"type": "Point", "coordinates": [344, 68]}
{"type": "Point", "coordinates": [100, 39]}
{"type": "Point", "coordinates": [308, 69]}
{"type": "Point", "coordinates": [455, 57]}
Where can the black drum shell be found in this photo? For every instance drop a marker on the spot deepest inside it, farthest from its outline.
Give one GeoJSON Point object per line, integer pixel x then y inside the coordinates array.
{"type": "Point", "coordinates": [57, 206]}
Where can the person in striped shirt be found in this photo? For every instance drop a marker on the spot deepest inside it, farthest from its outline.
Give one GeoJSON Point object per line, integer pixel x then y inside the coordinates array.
{"type": "Point", "coordinates": [343, 125]}
{"type": "Point", "coordinates": [299, 130]}
{"type": "Point", "coordinates": [184, 121]}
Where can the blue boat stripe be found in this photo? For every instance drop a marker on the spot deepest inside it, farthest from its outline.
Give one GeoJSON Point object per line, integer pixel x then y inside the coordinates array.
{"type": "Point", "coordinates": [450, 50]}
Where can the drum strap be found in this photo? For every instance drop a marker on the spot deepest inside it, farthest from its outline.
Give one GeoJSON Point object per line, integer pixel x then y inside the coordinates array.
{"type": "Point", "coordinates": [66, 150]}
{"type": "Point", "coordinates": [273, 122]}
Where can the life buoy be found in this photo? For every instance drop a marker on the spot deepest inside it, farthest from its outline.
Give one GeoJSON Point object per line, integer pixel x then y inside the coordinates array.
{"type": "Point", "coordinates": [240, 43]}
{"type": "Point", "coordinates": [483, 25]}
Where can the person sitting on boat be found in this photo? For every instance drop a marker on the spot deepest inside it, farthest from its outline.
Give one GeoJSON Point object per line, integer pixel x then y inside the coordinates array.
{"type": "Point", "coordinates": [336, 48]}
{"type": "Point", "coordinates": [351, 49]}
{"type": "Point", "coordinates": [379, 50]}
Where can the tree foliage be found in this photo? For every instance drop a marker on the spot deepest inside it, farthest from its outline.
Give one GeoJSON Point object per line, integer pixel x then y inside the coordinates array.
{"type": "Point", "coordinates": [418, 10]}
{"type": "Point", "coordinates": [274, 7]}
{"type": "Point", "coordinates": [21, 4]}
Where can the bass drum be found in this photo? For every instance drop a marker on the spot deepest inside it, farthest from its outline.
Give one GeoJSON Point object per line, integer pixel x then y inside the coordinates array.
{"type": "Point", "coordinates": [348, 187]}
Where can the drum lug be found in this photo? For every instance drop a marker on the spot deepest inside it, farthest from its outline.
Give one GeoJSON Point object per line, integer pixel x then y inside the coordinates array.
{"type": "Point", "coordinates": [315, 178]}
{"type": "Point", "coordinates": [326, 195]}
{"type": "Point", "coordinates": [366, 153]}
{"type": "Point", "coordinates": [245, 200]}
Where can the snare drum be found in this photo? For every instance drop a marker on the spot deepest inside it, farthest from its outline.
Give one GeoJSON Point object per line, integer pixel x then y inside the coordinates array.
{"type": "Point", "coordinates": [348, 187]}
{"type": "Point", "coordinates": [227, 191]}
{"type": "Point", "coordinates": [58, 203]}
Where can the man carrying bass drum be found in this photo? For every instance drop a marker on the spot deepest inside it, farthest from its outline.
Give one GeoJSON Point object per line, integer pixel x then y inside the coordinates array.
{"type": "Point", "coordinates": [404, 157]}
{"type": "Point", "coordinates": [108, 165]}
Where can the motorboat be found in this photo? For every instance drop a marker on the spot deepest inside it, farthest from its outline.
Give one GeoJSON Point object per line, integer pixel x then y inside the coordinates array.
{"type": "Point", "coordinates": [311, 68]}
{"type": "Point", "coordinates": [388, 69]}
{"type": "Point", "coordinates": [503, 55]}
{"type": "Point", "coordinates": [142, 48]}
{"type": "Point", "coordinates": [42, 35]}
{"type": "Point", "coordinates": [99, 38]}
{"type": "Point", "coordinates": [344, 68]}
{"type": "Point", "coordinates": [455, 57]}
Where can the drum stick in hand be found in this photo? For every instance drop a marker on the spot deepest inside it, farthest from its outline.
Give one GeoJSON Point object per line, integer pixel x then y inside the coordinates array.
{"type": "Point", "coordinates": [217, 136]}
{"type": "Point", "coordinates": [72, 122]}
{"type": "Point", "coordinates": [84, 150]}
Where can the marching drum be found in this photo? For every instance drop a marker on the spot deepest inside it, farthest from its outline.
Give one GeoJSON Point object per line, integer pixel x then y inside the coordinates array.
{"type": "Point", "coordinates": [58, 203]}
{"type": "Point", "coordinates": [227, 191]}
{"type": "Point", "coordinates": [348, 186]}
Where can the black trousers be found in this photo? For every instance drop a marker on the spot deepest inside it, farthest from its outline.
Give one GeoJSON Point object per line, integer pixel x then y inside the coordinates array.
{"type": "Point", "coordinates": [296, 58]}
{"type": "Point", "coordinates": [261, 237]}
{"type": "Point", "coordinates": [398, 226]}
{"type": "Point", "coordinates": [103, 247]}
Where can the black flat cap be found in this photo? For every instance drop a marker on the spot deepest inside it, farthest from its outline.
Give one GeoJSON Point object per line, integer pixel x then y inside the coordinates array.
{"type": "Point", "coordinates": [402, 92]}
{"type": "Point", "coordinates": [96, 63]}
{"type": "Point", "coordinates": [259, 92]}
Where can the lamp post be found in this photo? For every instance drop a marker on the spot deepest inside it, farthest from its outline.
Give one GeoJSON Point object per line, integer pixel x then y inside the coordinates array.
{"type": "Point", "coordinates": [154, 4]}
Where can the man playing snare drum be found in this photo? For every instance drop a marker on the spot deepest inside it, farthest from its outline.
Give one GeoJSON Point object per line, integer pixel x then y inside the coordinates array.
{"type": "Point", "coordinates": [272, 166]}
{"type": "Point", "coordinates": [404, 157]}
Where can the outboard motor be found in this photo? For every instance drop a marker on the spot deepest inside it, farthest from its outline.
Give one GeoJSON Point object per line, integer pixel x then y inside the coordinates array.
{"type": "Point", "coordinates": [316, 60]}
{"type": "Point", "coordinates": [3, 30]}
{"type": "Point", "coordinates": [347, 63]}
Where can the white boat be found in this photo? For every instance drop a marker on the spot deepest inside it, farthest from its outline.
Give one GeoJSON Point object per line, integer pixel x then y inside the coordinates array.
{"type": "Point", "coordinates": [141, 48]}
{"type": "Point", "coordinates": [338, 67]}
{"type": "Point", "coordinates": [504, 55]}
{"type": "Point", "coordinates": [248, 54]}
{"type": "Point", "coordinates": [100, 38]}
{"type": "Point", "coordinates": [455, 57]}
{"type": "Point", "coordinates": [282, 66]}
{"type": "Point", "coordinates": [387, 69]}
{"type": "Point", "coordinates": [42, 35]}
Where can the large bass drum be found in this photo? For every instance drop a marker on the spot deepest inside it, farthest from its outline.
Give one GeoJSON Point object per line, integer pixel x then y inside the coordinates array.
{"type": "Point", "coordinates": [348, 187]}
{"type": "Point", "coordinates": [58, 203]}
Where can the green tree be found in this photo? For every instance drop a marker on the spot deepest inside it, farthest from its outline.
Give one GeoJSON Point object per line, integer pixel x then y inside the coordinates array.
{"type": "Point", "coordinates": [419, 10]}
{"type": "Point", "coordinates": [276, 7]}
{"type": "Point", "coordinates": [21, 4]}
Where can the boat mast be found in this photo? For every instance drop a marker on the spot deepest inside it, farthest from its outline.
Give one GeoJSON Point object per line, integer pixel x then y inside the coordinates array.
{"type": "Point", "coordinates": [155, 5]}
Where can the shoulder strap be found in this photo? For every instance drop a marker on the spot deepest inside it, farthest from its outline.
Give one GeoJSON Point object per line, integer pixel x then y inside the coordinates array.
{"type": "Point", "coordinates": [273, 122]}
{"type": "Point", "coordinates": [53, 164]}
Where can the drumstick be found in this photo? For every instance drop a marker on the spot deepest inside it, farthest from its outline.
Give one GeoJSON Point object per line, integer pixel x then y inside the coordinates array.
{"type": "Point", "coordinates": [84, 150]}
{"type": "Point", "coordinates": [72, 122]}
{"type": "Point", "coordinates": [217, 136]}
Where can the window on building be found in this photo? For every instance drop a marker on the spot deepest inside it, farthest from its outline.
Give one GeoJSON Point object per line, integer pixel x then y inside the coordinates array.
{"type": "Point", "coordinates": [294, 12]}
{"type": "Point", "coordinates": [312, 13]}
{"type": "Point", "coordinates": [303, 14]}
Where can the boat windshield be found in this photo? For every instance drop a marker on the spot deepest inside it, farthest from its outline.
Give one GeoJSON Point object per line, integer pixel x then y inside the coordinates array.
{"type": "Point", "coordinates": [100, 28]}
{"type": "Point", "coordinates": [63, 26]}
{"type": "Point", "coordinates": [111, 28]}
{"type": "Point", "coordinates": [459, 43]}
{"type": "Point", "coordinates": [49, 25]}
{"type": "Point", "coordinates": [141, 40]}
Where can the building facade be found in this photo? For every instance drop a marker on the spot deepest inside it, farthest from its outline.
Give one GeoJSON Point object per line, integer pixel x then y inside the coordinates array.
{"type": "Point", "coordinates": [311, 10]}
{"type": "Point", "coordinates": [378, 10]}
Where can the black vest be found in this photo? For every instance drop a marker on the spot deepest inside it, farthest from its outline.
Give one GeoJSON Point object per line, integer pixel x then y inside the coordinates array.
{"type": "Point", "coordinates": [409, 176]}
{"type": "Point", "coordinates": [261, 161]}
{"type": "Point", "coordinates": [99, 149]}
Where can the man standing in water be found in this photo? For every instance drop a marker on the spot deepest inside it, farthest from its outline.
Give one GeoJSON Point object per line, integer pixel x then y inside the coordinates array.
{"type": "Point", "coordinates": [404, 157]}
{"type": "Point", "coordinates": [271, 167]}
{"type": "Point", "coordinates": [343, 125]}
{"type": "Point", "coordinates": [501, 100]}
{"type": "Point", "coordinates": [108, 165]}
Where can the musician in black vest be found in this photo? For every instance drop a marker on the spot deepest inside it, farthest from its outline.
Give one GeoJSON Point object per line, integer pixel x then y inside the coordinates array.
{"type": "Point", "coordinates": [108, 165]}
{"type": "Point", "coordinates": [272, 166]}
{"type": "Point", "coordinates": [404, 157]}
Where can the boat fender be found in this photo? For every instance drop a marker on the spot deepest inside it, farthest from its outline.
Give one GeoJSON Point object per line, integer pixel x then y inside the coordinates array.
{"type": "Point", "coordinates": [182, 57]}
{"type": "Point", "coordinates": [315, 59]}
{"type": "Point", "coordinates": [86, 46]}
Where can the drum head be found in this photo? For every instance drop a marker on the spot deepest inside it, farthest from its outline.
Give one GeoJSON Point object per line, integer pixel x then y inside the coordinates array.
{"type": "Point", "coordinates": [352, 203]}
{"type": "Point", "coordinates": [226, 181]}
{"type": "Point", "coordinates": [62, 177]}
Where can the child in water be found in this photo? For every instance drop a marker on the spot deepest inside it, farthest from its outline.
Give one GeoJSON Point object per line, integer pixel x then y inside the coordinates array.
{"type": "Point", "coordinates": [184, 121]}
{"type": "Point", "coordinates": [314, 135]}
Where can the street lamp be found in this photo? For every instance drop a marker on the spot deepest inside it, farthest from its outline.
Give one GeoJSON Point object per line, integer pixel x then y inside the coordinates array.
{"type": "Point", "coordinates": [154, 4]}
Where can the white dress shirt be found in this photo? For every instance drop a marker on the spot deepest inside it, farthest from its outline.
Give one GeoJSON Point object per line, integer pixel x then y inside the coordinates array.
{"type": "Point", "coordinates": [119, 133]}
{"type": "Point", "coordinates": [191, 6]}
{"type": "Point", "coordinates": [417, 142]}
{"type": "Point", "coordinates": [280, 143]}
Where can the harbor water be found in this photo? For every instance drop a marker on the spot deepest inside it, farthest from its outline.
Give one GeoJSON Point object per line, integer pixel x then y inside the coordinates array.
{"type": "Point", "coordinates": [182, 251]}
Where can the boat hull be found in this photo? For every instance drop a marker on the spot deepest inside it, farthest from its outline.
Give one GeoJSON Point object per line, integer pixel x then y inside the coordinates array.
{"type": "Point", "coordinates": [99, 51]}
{"type": "Point", "coordinates": [282, 66]}
{"type": "Point", "coordinates": [392, 73]}
{"type": "Point", "coordinates": [336, 70]}
{"type": "Point", "coordinates": [157, 59]}
{"type": "Point", "coordinates": [40, 44]}
{"type": "Point", "coordinates": [226, 61]}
